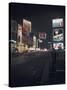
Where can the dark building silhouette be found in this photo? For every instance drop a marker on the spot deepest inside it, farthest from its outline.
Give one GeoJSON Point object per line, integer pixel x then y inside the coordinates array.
{"type": "Point", "coordinates": [13, 30]}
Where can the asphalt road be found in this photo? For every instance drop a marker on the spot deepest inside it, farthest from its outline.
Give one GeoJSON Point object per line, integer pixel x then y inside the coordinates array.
{"type": "Point", "coordinates": [31, 68]}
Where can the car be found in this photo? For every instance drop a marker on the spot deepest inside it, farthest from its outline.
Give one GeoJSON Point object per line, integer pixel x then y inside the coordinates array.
{"type": "Point", "coordinates": [13, 46]}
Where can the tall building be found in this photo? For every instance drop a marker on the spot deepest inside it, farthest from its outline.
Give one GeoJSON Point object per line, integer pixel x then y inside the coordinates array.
{"type": "Point", "coordinates": [42, 40]}
{"type": "Point", "coordinates": [23, 35]}
{"type": "Point", "coordinates": [34, 41]}
{"type": "Point", "coordinates": [19, 36]}
{"type": "Point", "coordinates": [13, 30]}
{"type": "Point", "coordinates": [58, 33]}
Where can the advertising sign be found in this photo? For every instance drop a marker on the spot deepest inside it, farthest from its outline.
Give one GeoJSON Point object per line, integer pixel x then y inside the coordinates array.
{"type": "Point", "coordinates": [26, 26]}
{"type": "Point", "coordinates": [57, 22]}
{"type": "Point", "coordinates": [42, 35]}
{"type": "Point", "coordinates": [58, 34]}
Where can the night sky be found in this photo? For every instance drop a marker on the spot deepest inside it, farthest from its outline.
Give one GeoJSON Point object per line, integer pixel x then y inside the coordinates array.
{"type": "Point", "coordinates": [40, 15]}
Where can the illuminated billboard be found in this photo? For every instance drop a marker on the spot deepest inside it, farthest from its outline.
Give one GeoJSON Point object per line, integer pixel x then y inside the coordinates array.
{"type": "Point", "coordinates": [42, 35]}
{"type": "Point", "coordinates": [58, 46]}
{"type": "Point", "coordinates": [26, 26]}
{"type": "Point", "coordinates": [58, 34]}
{"type": "Point", "coordinates": [26, 29]}
{"type": "Point", "coordinates": [57, 22]}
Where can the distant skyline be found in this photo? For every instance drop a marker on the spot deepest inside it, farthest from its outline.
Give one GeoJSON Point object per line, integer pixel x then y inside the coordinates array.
{"type": "Point", "coordinates": [40, 15]}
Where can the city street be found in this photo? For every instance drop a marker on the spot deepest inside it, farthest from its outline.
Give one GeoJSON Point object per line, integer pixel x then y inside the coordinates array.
{"type": "Point", "coordinates": [33, 69]}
